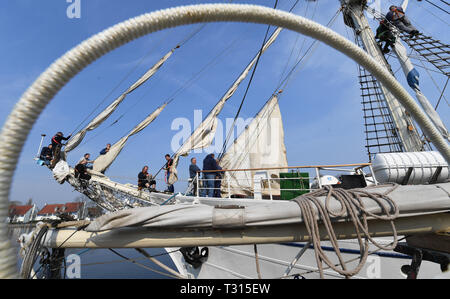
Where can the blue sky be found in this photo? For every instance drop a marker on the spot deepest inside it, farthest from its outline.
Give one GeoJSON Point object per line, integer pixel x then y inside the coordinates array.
{"type": "Point", "coordinates": [321, 106]}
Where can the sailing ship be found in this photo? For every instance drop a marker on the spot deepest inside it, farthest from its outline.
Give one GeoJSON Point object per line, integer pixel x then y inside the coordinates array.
{"type": "Point", "coordinates": [250, 231]}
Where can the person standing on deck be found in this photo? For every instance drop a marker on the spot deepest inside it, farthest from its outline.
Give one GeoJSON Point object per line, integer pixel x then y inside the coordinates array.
{"type": "Point", "coordinates": [168, 169]}
{"type": "Point", "coordinates": [194, 171]}
{"type": "Point", "coordinates": [209, 163]}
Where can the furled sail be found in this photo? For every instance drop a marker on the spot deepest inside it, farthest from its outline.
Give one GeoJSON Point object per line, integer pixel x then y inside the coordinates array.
{"type": "Point", "coordinates": [260, 145]}
{"type": "Point", "coordinates": [100, 118]}
{"type": "Point", "coordinates": [412, 76]}
{"type": "Point", "coordinates": [104, 161]}
{"type": "Point", "coordinates": [203, 135]}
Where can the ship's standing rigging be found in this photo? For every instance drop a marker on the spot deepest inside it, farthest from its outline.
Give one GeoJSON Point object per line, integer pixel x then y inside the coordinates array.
{"type": "Point", "coordinates": [408, 136]}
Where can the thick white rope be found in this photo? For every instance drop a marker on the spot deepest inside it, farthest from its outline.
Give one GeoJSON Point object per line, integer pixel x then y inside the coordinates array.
{"type": "Point", "coordinates": [25, 113]}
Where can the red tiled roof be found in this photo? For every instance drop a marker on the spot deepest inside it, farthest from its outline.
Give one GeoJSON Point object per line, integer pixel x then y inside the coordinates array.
{"type": "Point", "coordinates": [70, 207]}
{"type": "Point", "coordinates": [51, 209]}
{"type": "Point", "coordinates": [19, 210]}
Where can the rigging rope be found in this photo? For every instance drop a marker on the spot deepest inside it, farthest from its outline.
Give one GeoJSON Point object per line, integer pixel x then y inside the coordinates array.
{"type": "Point", "coordinates": [245, 93]}
{"type": "Point", "coordinates": [297, 36]}
{"type": "Point", "coordinates": [442, 95]}
{"type": "Point", "coordinates": [285, 81]}
{"type": "Point", "coordinates": [224, 146]}
{"type": "Point", "coordinates": [328, 267]}
{"type": "Point", "coordinates": [141, 265]}
{"type": "Point", "coordinates": [117, 86]}
{"type": "Point", "coordinates": [352, 207]}
{"type": "Point", "coordinates": [438, 6]}
{"type": "Point", "coordinates": [184, 41]}
{"type": "Point", "coordinates": [172, 97]}
{"type": "Point", "coordinates": [289, 76]}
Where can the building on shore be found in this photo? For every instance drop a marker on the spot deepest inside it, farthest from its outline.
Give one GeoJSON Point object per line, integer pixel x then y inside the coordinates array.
{"type": "Point", "coordinates": [72, 210]}
{"type": "Point", "coordinates": [21, 213]}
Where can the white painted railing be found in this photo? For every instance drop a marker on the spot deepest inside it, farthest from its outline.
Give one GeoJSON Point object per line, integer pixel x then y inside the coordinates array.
{"type": "Point", "coordinates": [198, 186]}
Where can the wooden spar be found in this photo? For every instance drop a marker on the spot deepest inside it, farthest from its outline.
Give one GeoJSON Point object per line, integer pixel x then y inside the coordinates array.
{"type": "Point", "coordinates": [141, 237]}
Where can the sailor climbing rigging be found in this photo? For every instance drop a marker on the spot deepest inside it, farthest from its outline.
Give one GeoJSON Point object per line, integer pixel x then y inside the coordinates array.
{"type": "Point", "coordinates": [57, 140]}
{"type": "Point", "coordinates": [397, 17]}
{"type": "Point", "coordinates": [56, 147]}
{"type": "Point", "coordinates": [384, 34]}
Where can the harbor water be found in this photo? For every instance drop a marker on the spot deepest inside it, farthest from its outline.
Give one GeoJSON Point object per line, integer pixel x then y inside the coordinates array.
{"type": "Point", "coordinates": [104, 263]}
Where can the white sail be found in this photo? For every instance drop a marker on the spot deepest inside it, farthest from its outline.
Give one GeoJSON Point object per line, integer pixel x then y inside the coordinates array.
{"type": "Point", "coordinates": [104, 161]}
{"type": "Point", "coordinates": [260, 145]}
{"type": "Point", "coordinates": [100, 118]}
{"type": "Point", "coordinates": [204, 134]}
{"type": "Point", "coordinates": [412, 76]}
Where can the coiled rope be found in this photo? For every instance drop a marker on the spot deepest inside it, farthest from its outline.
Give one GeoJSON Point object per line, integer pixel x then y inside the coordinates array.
{"type": "Point", "coordinates": [36, 98]}
{"type": "Point", "coordinates": [352, 207]}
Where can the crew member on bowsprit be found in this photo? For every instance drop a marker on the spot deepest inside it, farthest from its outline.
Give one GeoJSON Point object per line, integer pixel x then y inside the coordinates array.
{"type": "Point", "coordinates": [57, 141]}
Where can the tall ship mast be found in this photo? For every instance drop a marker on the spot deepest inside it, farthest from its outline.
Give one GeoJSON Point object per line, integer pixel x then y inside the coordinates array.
{"type": "Point", "coordinates": [388, 126]}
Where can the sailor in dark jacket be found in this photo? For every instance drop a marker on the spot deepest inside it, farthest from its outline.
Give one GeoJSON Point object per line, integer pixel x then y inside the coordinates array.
{"type": "Point", "coordinates": [57, 141]}
{"type": "Point", "coordinates": [193, 172]}
{"type": "Point", "coordinates": [397, 17]}
{"type": "Point", "coordinates": [46, 154]}
{"type": "Point", "coordinates": [145, 180]}
{"type": "Point", "coordinates": [209, 163]}
{"type": "Point", "coordinates": [384, 34]}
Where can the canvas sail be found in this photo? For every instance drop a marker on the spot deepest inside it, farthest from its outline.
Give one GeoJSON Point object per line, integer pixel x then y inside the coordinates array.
{"type": "Point", "coordinates": [412, 76]}
{"type": "Point", "coordinates": [100, 118]}
{"type": "Point", "coordinates": [260, 145]}
{"type": "Point", "coordinates": [204, 134]}
{"type": "Point", "coordinates": [104, 161]}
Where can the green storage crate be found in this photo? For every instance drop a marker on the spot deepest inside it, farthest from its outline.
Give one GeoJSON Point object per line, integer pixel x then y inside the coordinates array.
{"type": "Point", "coordinates": [302, 183]}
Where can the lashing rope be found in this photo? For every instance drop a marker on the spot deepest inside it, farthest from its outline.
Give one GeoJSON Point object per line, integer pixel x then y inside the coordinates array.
{"type": "Point", "coordinates": [352, 206]}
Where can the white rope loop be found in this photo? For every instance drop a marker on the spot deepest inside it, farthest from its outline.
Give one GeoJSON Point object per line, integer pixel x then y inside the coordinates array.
{"type": "Point", "coordinates": [35, 99]}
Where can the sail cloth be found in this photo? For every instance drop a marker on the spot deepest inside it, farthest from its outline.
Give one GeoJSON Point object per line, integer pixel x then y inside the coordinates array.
{"type": "Point", "coordinates": [239, 214]}
{"type": "Point", "coordinates": [260, 145]}
{"type": "Point", "coordinates": [104, 161]}
{"type": "Point", "coordinates": [412, 76]}
{"type": "Point", "coordinates": [100, 118]}
{"type": "Point", "coordinates": [204, 134]}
